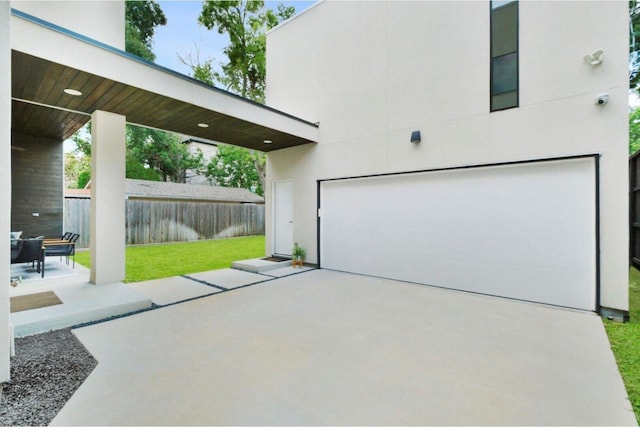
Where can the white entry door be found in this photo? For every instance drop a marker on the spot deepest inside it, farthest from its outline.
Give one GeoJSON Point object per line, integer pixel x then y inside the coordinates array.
{"type": "Point", "coordinates": [283, 217]}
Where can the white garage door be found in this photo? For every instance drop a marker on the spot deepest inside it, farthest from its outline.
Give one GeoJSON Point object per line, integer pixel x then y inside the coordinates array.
{"type": "Point", "coordinates": [524, 231]}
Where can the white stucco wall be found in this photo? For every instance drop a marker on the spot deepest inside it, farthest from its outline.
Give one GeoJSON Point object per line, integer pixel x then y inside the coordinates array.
{"type": "Point", "coordinates": [5, 178]}
{"type": "Point", "coordinates": [371, 72]}
{"type": "Point", "coordinates": [88, 18]}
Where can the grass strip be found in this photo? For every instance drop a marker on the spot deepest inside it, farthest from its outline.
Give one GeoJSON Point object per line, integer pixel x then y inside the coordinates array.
{"type": "Point", "coordinates": [150, 262]}
{"type": "Point", "coordinates": [625, 343]}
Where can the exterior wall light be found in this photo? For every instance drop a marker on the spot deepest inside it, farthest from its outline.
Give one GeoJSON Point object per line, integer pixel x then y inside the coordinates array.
{"type": "Point", "coordinates": [594, 58]}
{"type": "Point", "coordinates": [415, 136]}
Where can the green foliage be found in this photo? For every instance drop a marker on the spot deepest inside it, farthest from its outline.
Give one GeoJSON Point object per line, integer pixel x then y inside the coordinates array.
{"type": "Point", "coordinates": [234, 167]}
{"type": "Point", "coordinates": [84, 178]}
{"type": "Point", "coordinates": [173, 259]}
{"type": "Point", "coordinates": [82, 141]}
{"type": "Point", "coordinates": [634, 131]}
{"type": "Point", "coordinates": [74, 165]}
{"type": "Point", "coordinates": [634, 46]}
{"type": "Point", "coordinates": [298, 252]}
{"type": "Point", "coordinates": [152, 155]}
{"type": "Point", "coordinates": [135, 46]}
{"type": "Point", "coordinates": [246, 23]}
{"type": "Point", "coordinates": [162, 152]}
{"type": "Point", "coordinates": [77, 165]}
{"type": "Point", "coordinates": [204, 72]}
{"type": "Point", "coordinates": [625, 343]}
{"type": "Point", "coordinates": [136, 170]}
{"type": "Point", "coordinates": [141, 18]}
{"type": "Point", "coordinates": [144, 15]}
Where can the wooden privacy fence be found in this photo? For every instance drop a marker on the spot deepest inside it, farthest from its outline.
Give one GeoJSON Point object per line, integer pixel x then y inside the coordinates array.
{"type": "Point", "coordinates": [77, 214]}
{"type": "Point", "coordinates": [161, 221]}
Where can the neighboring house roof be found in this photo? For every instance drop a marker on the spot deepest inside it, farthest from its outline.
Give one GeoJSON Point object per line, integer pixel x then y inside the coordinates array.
{"type": "Point", "coordinates": [140, 189]}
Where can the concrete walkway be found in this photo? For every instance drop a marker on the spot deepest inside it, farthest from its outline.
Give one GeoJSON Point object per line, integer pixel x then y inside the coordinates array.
{"type": "Point", "coordinates": [331, 348]}
{"type": "Point", "coordinates": [82, 302]}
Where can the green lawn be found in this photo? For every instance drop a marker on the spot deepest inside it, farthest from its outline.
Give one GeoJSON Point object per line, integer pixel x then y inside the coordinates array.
{"type": "Point", "coordinates": [625, 342]}
{"type": "Point", "coordinates": [172, 259]}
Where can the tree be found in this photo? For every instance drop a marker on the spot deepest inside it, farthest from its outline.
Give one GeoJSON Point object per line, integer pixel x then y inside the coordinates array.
{"type": "Point", "coordinates": [246, 23]}
{"type": "Point", "coordinates": [634, 131]}
{"type": "Point", "coordinates": [151, 155]}
{"type": "Point", "coordinates": [136, 170]}
{"type": "Point", "coordinates": [84, 178]}
{"type": "Point", "coordinates": [72, 169]}
{"type": "Point", "coordinates": [141, 18]}
{"type": "Point", "coordinates": [233, 167]}
{"type": "Point", "coordinates": [77, 164]}
{"type": "Point", "coordinates": [162, 152]}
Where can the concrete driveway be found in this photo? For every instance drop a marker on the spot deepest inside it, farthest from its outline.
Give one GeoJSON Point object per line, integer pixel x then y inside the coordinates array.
{"type": "Point", "coordinates": [331, 348]}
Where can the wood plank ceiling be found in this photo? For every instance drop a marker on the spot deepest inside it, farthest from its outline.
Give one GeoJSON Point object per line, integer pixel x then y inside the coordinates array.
{"type": "Point", "coordinates": [40, 107]}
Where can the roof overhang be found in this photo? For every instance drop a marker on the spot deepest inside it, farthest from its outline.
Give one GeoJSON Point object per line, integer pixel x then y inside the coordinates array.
{"type": "Point", "coordinates": [46, 59]}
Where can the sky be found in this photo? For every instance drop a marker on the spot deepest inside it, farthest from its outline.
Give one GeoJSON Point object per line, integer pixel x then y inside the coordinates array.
{"type": "Point", "coordinates": [185, 36]}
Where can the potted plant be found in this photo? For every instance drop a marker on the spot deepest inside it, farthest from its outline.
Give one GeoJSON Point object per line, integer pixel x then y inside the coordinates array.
{"type": "Point", "coordinates": [299, 254]}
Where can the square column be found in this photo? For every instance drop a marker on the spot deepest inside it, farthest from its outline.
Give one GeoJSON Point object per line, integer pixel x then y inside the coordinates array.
{"type": "Point", "coordinates": [5, 179]}
{"type": "Point", "coordinates": [107, 235]}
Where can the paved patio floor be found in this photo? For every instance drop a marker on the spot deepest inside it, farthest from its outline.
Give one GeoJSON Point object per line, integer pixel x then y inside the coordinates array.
{"type": "Point", "coordinates": [331, 348]}
{"type": "Point", "coordinates": [82, 301]}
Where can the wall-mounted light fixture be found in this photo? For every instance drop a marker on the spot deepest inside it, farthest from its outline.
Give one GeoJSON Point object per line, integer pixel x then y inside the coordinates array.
{"type": "Point", "coordinates": [595, 58]}
{"type": "Point", "coordinates": [415, 136]}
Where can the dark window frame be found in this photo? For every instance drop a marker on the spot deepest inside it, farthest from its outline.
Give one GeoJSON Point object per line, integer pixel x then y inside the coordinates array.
{"type": "Point", "coordinates": [492, 94]}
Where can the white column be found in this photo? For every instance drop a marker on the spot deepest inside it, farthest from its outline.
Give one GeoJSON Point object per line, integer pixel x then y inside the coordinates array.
{"type": "Point", "coordinates": [107, 235]}
{"type": "Point", "coordinates": [5, 179]}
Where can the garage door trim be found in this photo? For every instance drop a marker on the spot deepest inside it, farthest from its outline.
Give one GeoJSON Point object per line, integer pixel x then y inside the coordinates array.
{"type": "Point", "coordinates": [595, 157]}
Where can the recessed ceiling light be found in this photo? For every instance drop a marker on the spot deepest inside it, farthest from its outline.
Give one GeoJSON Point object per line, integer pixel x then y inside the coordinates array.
{"type": "Point", "coordinates": [267, 141]}
{"type": "Point", "coordinates": [72, 92]}
{"type": "Point", "coordinates": [203, 125]}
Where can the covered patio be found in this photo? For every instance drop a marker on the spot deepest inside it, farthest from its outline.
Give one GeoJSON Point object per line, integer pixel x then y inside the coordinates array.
{"type": "Point", "coordinates": [53, 82]}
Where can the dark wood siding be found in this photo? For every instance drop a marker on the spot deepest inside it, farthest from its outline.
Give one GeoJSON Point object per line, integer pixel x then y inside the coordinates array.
{"type": "Point", "coordinates": [36, 185]}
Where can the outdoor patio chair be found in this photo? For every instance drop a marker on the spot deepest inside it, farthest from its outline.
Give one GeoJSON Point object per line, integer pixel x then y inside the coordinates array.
{"type": "Point", "coordinates": [30, 250]}
{"type": "Point", "coordinates": [65, 250]}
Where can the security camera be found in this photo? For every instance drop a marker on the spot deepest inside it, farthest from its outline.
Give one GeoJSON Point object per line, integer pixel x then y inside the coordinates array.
{"type": "Point", "coordinates": [602, 99]}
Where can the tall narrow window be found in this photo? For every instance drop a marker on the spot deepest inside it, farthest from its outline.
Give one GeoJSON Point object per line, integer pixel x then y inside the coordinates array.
{"type": "Point", "coordinates": [504, 54]}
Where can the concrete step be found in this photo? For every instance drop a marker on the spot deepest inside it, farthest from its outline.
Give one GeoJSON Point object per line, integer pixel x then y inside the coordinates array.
{"type": "Point", "coordinates": [259, 265]}
{"type": "Point", "coordinates": [80, 304]}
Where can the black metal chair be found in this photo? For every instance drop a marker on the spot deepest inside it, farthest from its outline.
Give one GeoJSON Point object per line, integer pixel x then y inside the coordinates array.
{"type": "Point", "coordinates": [30, 250]}
{"type": "Point", "coordinates": [65, 250]}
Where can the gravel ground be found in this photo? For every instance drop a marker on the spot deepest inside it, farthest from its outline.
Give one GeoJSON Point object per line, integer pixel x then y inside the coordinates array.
{"type": "Point", "coordinates": [46, 370]}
